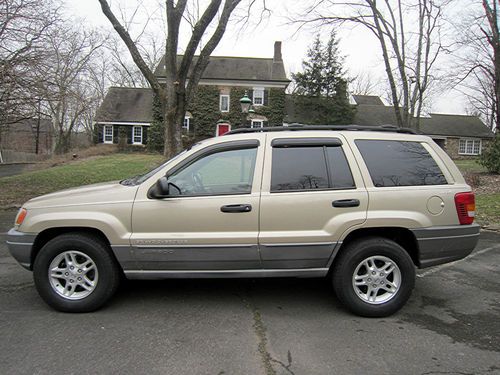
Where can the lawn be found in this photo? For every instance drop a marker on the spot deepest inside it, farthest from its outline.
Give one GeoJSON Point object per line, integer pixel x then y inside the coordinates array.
{"type": "Point", "coordinates": [470, 166]}
{"type": "Point", "coordinates": [488, 209]}
{"type": "Point", "coordinates": [17, 189]}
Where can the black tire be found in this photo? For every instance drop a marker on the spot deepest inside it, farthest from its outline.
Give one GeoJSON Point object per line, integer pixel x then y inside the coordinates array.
{"type": "Point", "coordinates": [106, 265]}
{"type": "Point", "coordinates": [353, 297]}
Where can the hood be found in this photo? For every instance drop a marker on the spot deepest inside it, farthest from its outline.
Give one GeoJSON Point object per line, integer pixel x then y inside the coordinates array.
{"type": "Point", "coordinates": [102, 193]}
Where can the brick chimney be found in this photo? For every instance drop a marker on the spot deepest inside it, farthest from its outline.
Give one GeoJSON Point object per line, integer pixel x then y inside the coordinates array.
{"type": "Point", "coordinates": [277, 51]}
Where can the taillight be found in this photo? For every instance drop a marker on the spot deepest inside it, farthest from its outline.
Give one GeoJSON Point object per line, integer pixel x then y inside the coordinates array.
{"type": "Point", "coordinates": [466, 207]}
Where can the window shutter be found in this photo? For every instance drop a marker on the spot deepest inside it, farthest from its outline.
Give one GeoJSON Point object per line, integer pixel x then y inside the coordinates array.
{"type": "Point", "coordinates": [266, 98]}
{"type": "Point", "coordinates": [144, 135]}
{"type": "Point", "coordinates": [130, 134]}
{"type": "Point", "coordinates": [116, 133]}
{"type": "Point", "coordinates": [265, 123]}
{"type": "Point", "coordinates": [250, 94]}
{"type": "Point", "coordinates": [100, 135]}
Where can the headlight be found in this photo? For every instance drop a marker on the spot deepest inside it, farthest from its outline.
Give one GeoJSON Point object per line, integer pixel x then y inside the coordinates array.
{"type": "Point", "coordinates": [21, 215]}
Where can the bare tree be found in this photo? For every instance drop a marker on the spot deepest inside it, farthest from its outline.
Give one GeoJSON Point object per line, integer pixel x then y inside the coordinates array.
{"type": "Point", "coordinates": [409, 36]}
{"type": "Point", "coordinates": [182, 73]}
{"type": "Point", "coordinates": [363, 84]}
{"type": "Point", "coordinates": [23, 25]}
{"type": "Point", "coordinates": [479, 61]}
{"type": "Point", "coordinates": [63, 80]}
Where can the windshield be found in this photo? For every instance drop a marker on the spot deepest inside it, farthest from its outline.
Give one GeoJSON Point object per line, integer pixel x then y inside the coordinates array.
{"type": "Point", "coordinates": [139, 179]}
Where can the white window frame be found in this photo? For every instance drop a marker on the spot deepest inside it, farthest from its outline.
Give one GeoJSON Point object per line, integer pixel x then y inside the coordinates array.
{"type": "Point", "coordinates": [258, 92]}
{"type": "Point", "coordinates": [220, 102]}
{"type": "Point", "coordinates": [133, 135]}
{"type": "Point", "coordinates": [468, 146]}
{"type": "Point", "coordinates": [257, 124]}
{"type": "Point", "coordinates": [186, 123]}
{"type": "Point", "coordinates": [104, 128]}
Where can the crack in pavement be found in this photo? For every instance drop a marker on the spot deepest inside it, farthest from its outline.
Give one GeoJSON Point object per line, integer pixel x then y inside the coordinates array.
{"type": "Point", "coordinates": [260, 331]}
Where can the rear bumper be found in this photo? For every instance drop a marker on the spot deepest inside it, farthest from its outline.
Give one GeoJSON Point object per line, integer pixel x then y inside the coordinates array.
{"type": "Point", "coordinates": [438, 245]}
{"type": "Point", "coordinates": [20, 245]}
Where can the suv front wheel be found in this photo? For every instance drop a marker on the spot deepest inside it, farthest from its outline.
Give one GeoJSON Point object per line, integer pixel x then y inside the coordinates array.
{"type": "Point", "coordinates": [75, 272]}
{"type": "Point", "coordinates": [373, 277]}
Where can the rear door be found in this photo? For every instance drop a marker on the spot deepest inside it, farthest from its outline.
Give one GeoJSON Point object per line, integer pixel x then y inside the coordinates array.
{"type": "Point", "coordinates": [312, 192]}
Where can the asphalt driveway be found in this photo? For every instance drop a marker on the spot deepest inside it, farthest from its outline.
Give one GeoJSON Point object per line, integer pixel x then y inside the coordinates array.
{"type": "Point", "coordinates": [276, 326]}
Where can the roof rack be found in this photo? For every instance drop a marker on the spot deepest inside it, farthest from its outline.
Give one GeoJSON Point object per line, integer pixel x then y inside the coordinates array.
{"type": "Point", "coordinates": [296, 127]}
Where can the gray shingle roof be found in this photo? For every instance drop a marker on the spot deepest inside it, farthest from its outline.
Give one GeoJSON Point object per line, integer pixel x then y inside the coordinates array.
{"type": "Point", "coordinates": [126, 104]}
{"type": "Point", "coordinates": [368, 99]}
{"type": "Point", "coordinates": [238, 68]}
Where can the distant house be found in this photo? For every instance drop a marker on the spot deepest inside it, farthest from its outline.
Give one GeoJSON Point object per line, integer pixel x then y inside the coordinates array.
{"type": "Point", "coordinates": [460, 136]}
{"type": "Point", "coordinates": [21, 137]}
{"type": "Point", "coordinates": [127, 112]}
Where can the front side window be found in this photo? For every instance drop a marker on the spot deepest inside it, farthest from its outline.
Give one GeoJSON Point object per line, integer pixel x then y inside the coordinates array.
{"type": "Point", "coordinates": [137, 133]}
{"type": "Point", "coordinates": [258, 96]}
{"type": "Point", "coordinates": [221, 173]}
{"type": "Point", "coordinates": [224, 103]}
{"type": "Point", "coordinates": [108, 133]}
{"type": "Point", "coordinates": [310, 168]}
{"type": "Point", "coordinates": [399, 163]}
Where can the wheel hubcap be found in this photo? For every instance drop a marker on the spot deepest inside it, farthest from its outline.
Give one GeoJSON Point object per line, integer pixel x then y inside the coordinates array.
{"type": "Point", "coordinates": [376, 279]}
{"type": "Point", "coordinates": [73, 275]}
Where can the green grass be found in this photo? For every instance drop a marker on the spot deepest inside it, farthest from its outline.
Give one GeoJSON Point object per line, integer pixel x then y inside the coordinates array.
{"type": "Point", "coordinates": [470, 166]}
{"type": "Point", "coordinates": [17, 189]}
{"type": "Point", "coordinates": [488, 208]}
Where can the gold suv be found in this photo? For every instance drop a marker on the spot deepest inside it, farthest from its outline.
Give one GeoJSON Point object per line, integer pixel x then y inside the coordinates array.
{"type": "Point", "coordinates": [362, 206]}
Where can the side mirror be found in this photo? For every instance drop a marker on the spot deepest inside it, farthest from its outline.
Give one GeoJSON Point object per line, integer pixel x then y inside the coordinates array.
{"type": "Point", "coordinates": [164, 189]}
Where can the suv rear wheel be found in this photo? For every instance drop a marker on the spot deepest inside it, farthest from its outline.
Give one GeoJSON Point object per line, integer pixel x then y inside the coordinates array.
{"type": "Point", "coordinates": [75, 273]}
{"type": "Point", "coordinates": [373, 277]}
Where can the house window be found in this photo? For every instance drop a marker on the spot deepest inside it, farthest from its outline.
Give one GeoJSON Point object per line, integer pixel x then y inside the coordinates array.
{"type": "Point", "coordinates": [108, 133]}
{"type": "Point", "coordinates": [469, 147]}
{"type": "Point", "coordinates": [224, 103]}
{"type": "Point", "coordinates": [185, 124]}
{"type": "Point", "coordinates": [137, 135]}
{"type": "Point", "coordinates": [258, 96]}
{"type": "Point", "coordinates": [257, 124]}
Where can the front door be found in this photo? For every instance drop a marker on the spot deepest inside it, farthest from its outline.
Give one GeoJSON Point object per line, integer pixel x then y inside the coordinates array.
{"type": "Point", "coordinates": [210, 219]}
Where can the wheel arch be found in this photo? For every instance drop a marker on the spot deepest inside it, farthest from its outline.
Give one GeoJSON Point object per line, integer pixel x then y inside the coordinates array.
{"type": "Point", "coordinates": [50, 233]}
{"type": "Point", "coordinates": [402, 236]}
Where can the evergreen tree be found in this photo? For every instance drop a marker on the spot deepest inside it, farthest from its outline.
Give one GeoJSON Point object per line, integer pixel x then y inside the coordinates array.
{"type": "Point", "coordinates": [321, 88]}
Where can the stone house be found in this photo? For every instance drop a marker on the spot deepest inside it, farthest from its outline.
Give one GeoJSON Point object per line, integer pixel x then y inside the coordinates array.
{"type": "Point", "coordinates": [126, 114]}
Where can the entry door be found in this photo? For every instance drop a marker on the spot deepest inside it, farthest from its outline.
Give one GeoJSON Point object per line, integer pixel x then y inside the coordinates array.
{"type": "Point", "coordinates": [309, 198]}
{"type": "Point", "coordinates": [210, 219]}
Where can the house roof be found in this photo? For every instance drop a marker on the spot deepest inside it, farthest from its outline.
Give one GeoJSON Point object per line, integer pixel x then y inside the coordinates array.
{"type": "Point", "coordinates": [126, 104]}
{"type": "Point", "coordinates": [435, 124]}
{"type": "Point", "coordinates": [455, 125]}
{"type": "Point", "coordinates": [367, 99]}
{"type": "Point", "coordinates": [238, 68]}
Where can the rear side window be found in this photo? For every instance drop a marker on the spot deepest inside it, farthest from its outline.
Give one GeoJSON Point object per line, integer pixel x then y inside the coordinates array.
{"type": "Point", "coordinates": [309, 168]}
{"type": "Point", "coordinates": [399, 163]}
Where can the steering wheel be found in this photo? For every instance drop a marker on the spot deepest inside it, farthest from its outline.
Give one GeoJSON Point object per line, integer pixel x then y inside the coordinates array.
{"type": "Point", "coordinates": [198, 182]}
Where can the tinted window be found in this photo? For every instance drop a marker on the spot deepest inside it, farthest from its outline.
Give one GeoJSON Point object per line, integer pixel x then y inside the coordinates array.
{"type": "Point", "coordinates": [225, 172]}
{"type": "Point", "coordinates": [398, 163]}
{"type": "Point", "coordinates": [299, 168]}
{"type": "Point", "coordinates": [340, 173]}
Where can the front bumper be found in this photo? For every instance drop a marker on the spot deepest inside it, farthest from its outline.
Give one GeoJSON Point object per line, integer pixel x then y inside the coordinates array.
{"type": "Point", "coordinates": [438, 245]}
{"type": "Point", "coordinates": [20, 245]}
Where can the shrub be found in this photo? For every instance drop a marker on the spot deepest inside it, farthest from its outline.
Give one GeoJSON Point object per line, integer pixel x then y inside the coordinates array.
{"type": "Point", "coordinates": [490, 158]}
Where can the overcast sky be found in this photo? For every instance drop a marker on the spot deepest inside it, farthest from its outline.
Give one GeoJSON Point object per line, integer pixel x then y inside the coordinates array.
{"type": "Point", "coordinates": [360, 48]}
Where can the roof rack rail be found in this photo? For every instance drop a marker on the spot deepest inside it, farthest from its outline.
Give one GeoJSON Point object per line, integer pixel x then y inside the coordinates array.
{"type": "Point", "coordinates": [296, 127]}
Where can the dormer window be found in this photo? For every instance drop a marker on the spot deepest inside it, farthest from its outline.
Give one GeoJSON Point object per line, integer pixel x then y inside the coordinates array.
{"type": "Point", "coordinates": [258, 96]}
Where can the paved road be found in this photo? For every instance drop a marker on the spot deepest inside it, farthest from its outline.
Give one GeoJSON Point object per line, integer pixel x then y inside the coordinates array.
{"type": "Point", "coordinates": [277, 326]}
